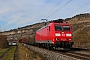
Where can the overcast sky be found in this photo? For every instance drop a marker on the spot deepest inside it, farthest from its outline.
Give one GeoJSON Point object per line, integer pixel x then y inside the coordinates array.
{"type": "Point", "coordinates": [19, 13]}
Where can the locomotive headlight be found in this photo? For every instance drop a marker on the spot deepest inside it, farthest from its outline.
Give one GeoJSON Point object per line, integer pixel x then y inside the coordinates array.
{"type": "Point", "coordinates": [69, 39]}
{"type": "Point", "coordinates": [57, 39]}
{"type": "Point", "coordinates": [68, 34]}
{"type": "Point", "coordinates": [57, 34]}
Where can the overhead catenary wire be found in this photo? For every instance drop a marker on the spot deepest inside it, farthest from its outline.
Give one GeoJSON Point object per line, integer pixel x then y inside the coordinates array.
{"type": "Point", "coordinates": [59, 8]}
{"type": "Point", "coordinates": [79, 8]}
{"type": "Point", "coordinates": [54, 7]}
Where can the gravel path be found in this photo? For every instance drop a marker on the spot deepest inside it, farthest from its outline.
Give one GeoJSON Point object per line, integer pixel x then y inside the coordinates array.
{"type": "Point", "coordinates": [49, 54]}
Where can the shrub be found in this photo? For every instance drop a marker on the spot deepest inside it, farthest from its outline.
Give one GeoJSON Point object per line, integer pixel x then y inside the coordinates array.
{"type": "Point", "coordinates": [3, 41]}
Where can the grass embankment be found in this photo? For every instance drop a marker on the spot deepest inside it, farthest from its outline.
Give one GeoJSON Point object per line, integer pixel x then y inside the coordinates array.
{"type": "Point", "coordinates": [10, 54]}
{"type": "Point", "coordinates": [2, 51]}
{"type": "Point", "coordinates": [26, 54]}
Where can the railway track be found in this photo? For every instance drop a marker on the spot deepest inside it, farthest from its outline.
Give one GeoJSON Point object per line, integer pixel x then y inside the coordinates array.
{"type": "Point", "coordinates": [63, 54]}
{"type": "Point", "coordinates": [78, 53]}
{"type": "Point", "coordinates": [75, 52]}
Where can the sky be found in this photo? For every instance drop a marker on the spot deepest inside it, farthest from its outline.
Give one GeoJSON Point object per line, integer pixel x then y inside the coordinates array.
{"type": "Point", "coordinates": [19, 13]}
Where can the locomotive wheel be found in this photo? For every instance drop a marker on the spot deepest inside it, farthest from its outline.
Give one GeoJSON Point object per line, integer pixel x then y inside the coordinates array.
{"type": "Point", "coordinates": [48, 46]}
{"type": "Point", "coordinates": [54, 48]}
{"type": "Point", "coordinates": [39, 45]}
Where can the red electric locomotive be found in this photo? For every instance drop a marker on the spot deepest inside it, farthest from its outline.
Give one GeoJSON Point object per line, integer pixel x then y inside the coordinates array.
{"type": "Point", "coordinates": [55, 34]}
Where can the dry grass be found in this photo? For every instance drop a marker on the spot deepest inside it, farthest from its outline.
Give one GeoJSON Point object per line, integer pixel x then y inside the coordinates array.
{"type": "Point", "coordinates": [26, 54]}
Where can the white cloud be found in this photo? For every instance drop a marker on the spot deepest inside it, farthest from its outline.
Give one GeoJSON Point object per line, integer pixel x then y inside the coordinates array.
{"type": "Point", "coordinates": [18, 10]}
{"type": "Point", "coordinates": [23, 12]}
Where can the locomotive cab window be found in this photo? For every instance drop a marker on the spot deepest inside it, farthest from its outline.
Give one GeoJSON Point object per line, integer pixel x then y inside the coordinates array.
{"type": "Point", "coordinates": [58, 27]}
{"type": "Point", "coordinates": [66, 28]}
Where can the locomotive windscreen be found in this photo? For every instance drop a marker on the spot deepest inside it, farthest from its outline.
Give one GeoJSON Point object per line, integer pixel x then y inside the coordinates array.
{"type": "Point", "coordinates": [62, 28]}
{"type": "Point", "coordinates": [66, 28]}
{"type": "Point", "coordinates": [58, 27]}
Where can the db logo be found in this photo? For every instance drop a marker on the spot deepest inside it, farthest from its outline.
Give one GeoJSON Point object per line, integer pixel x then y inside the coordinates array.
{"type": "Point", "coordinates": [63, 34]}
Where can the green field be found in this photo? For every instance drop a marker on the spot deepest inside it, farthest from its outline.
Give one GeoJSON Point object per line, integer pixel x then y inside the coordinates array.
{"type": "Point", "coordinates": [10, 54]}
